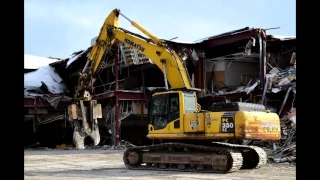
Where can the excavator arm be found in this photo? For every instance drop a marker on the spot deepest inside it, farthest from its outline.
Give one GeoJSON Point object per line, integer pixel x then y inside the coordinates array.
{"type": "Point", "coordinates": [167, 60]}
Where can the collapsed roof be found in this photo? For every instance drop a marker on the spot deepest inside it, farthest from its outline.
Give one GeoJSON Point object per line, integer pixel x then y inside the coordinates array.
{"type": "Point", "coordinates": [43, 79]}
{"type": "Point", "coordinates": [35, 62]}
{"type": "Point", "coordinates": [226, 46]}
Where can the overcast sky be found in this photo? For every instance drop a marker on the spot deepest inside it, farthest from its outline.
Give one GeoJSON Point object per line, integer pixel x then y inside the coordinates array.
{"type": "Point", "coordinates": [58, 28]}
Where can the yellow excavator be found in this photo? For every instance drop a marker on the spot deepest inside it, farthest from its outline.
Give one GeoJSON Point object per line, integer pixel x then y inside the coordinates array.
{"type": "Point", "coordinates": [186, 137]}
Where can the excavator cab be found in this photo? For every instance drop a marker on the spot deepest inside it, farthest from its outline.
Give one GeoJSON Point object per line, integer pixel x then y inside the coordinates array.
{"type": "Point", "coordinates": [166, 108]}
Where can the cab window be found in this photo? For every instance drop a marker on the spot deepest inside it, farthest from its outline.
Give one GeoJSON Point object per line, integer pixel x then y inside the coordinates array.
{"type": "Point", "coordinates": [164, 109]}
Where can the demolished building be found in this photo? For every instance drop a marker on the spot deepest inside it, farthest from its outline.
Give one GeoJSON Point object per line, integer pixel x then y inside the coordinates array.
{"type": "Point", "coordinates": [45, 101]}
{"type": "Point", "coordinates": [244, 65]}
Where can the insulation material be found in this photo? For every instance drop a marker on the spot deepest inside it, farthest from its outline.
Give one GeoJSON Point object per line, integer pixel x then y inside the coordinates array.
{"type": "Point", "coordinates": [35, 62]}
{"type": "Point", "coordinates": [44, 76]}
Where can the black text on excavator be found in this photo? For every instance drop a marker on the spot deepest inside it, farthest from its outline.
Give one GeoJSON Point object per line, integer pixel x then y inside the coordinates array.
{"type": "Point", "coordinates": [186, 137]}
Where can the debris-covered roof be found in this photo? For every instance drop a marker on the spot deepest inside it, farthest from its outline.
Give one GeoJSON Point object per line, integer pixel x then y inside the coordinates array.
{"type": "Point", "coordinates": [225, 34]}
{"type": "Point", "coordinates": [211, 37]}
{"type": "Point", "coordinates": [44, 80]}
{"type": "Point", "coordinates": [283, 38]}
{"type": "Point", "coordinates": [181, 42]}
{"type": "Point", "coordinates": [34, 62]}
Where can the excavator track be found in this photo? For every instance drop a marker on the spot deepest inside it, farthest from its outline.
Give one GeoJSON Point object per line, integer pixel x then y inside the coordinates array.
{"type": "Point", "coordinates": [254, 157]}
{"type": "Point", "coordinates": [183, 157]}
{"type": "Point", "coordinates": [218, 158]}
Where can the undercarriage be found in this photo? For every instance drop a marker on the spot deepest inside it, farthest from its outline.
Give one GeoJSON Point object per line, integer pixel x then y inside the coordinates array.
{"type": "Point", "coordinates": [217, 157]}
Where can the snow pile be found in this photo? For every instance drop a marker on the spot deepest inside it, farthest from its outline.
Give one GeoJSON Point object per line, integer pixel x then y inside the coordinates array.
{"type": "Point", "coordinates": [34, 62]}
{"type": "Point", "coordinates": [282, 38]}
{"type": "Point", "coordinates": [44, 77]}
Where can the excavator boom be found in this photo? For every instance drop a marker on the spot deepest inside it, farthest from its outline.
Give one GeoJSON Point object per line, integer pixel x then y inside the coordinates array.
{"type": "Point", "coordinates": [167, 60]}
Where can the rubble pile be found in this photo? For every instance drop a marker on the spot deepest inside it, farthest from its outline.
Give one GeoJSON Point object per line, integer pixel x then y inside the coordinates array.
{"type": "Point", "coordinates": [285, 149]}
{"type": "Point", "coordinates": [122, 145]}
{"type": "Point", "coordinates": [278, 79]}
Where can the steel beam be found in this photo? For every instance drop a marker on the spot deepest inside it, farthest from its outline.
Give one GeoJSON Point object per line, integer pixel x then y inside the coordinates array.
{"type": "Point", "coordinates": [123, 95]}
{"type": "Point", "coordinates": [36, 102]}
{"type": "Point", "coordinates": [230, 38]}
{"type": "Point", "coordinates": [116, 63]}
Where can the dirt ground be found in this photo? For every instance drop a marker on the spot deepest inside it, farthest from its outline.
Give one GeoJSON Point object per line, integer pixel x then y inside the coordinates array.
{"type": "Point", "coordinates": [107, 164]}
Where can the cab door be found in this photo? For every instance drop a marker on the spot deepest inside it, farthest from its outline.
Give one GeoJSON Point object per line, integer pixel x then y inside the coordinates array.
{"type": "Point", "coordinates": [164, 111]}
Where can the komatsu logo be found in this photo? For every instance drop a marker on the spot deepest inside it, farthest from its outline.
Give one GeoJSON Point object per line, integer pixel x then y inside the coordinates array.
{"type": "Point", "coordinates": [137, 46]}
